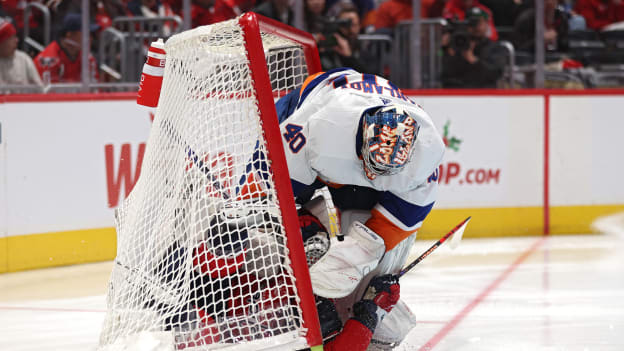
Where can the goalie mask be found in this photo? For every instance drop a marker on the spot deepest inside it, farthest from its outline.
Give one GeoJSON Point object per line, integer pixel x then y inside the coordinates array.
{"type": "Point", "coordinates": [389, 135]}
{"type": "Point", "coordinates": [315, 237]}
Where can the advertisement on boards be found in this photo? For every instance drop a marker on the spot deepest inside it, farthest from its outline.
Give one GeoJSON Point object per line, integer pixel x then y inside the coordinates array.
{"type": "Point", "coordinates": [65, 163]}
{"type": "Point", "coordinates": [494, 150]}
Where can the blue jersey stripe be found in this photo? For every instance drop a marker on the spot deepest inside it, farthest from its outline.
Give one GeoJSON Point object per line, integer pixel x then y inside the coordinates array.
{"type": "Point", "coordinates": [340, 81]}
{"type": "Point", "coordinates": [393, 86]}
{"type": "Point", "coordinates": [298, 187]}
{"type": "Point", "coordinates": [286, 105]}
{"type": "Point", "coordinates": [369, 78]}
{"type": "Point", "coordinates": [408, 213]}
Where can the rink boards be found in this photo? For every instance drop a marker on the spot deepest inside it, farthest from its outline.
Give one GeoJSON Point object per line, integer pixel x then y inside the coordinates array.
{"type": "Point", "coordinates": [521, 163]}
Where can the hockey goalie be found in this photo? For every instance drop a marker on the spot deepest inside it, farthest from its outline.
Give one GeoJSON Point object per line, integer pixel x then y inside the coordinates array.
{"type": "Point", "coordinates": [378, 153]}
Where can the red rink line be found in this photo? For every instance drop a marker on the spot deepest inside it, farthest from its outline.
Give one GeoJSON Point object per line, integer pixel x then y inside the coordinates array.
{"type": "Point", "coordinates": [463, 313]}
{"type": "Point", "coordinates": [46, 309]}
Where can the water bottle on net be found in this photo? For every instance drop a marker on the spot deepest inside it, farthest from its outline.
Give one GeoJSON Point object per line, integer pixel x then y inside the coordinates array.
{"type": "Point", "coordinates": [152, 75]}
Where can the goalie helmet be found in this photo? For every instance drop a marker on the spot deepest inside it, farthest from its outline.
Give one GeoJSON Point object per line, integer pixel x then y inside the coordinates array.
{"type": "Point", "coordinates": [389, 135]}
{"type": "Point", "coordinates": [222, 253]}
{"type": "Point", "coordinates": [315, 237]}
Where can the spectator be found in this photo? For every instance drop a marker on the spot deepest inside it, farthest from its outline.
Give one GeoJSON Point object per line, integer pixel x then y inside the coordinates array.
{"type": "Point", "coordinates": [107, 10]}
{"type": "Point", "coordinates": [576, 22]}
{"type": "Point", "coordinates": [456, 10]}
{"type": "Point", "coordinates": [344, 50]}
{"type": "Point", "coordinates": [313, 15]}
{"type": "Point", "coordinates": [435, 8]}
{"type": "Point", "coordinates": [600, 13]}
{"type": "Point", "coordinates": [204, 12]}
{"type": "Point", "coordinates": [505, 12]}
{"type": "Point", "coordinates": [240, 6]}
{"type": "Point", "coordinates": [364, 6]}
{"type": "Point", "coordinates": [144, 8]}
{"type": "Point", "coordinates": [60, 61]}
{"type": "Point", "coordinates": [58, 10]}
{"type": "Point", "coordinates": [15, 10]}
{"type": "Point", "coordinates": [391, 12]}
{"type": "Point", "coordinates": [101, 12]}
{"type": "Point", "coordinates": [153, 8]}
{"type": "Point", "coordinates": [278, 10]}
{"type": "Point", "coordinates": [471, 59]}
{"type": "Point", "coordinates": [555, 30]}
{"type": "Point", "coordinates": [102, 16]}
{"type": "Point", "coordinates": [16, 68]}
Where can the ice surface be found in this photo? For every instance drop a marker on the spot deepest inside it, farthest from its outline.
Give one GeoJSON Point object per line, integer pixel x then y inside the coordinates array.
{"type": "Point", "coordinates": [567, 294]}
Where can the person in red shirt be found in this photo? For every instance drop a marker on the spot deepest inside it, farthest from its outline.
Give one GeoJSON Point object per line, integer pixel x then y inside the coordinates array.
{"type": "Point", "coordinates": [456, 10]}
{"type": "Point", "coordinates": [15, 9]}
{"type": "Point", "coordinates": [60, 61]}
{"type": "Point", "coordinates": [600, 13]}
{"type": "Point", "coordinates": [204, 12]}
{"type": "Point", "coordinates": [391, 12]}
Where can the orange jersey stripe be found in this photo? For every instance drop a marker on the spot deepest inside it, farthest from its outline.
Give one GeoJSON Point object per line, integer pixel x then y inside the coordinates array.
{"type": "Point", "coordinates": [330, 184]}
{"type": "Point", "coordinates": [388, 231]}
{"type": "Point", "coordinates": [308, 80]}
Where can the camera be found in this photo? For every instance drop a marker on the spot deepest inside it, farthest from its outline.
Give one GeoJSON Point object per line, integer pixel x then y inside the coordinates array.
{"type": "Point", "coordinates": [460, 41]}
{"type": "Point", "coordinates": [329, 28]}
{"type": "Point", "coordinates": [460, 36]}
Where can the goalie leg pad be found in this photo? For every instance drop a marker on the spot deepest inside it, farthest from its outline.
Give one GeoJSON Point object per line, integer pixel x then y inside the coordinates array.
{"type": "Point", "coordinates": [342, 268]}
{"type": "Point", "coordinates": [348, 217]}
{"type": "Point", "coordinates": [394, 260]}
{"type": "Point", "coordinates": [393, 328]}
{"type": "Point", "coordinates": [391, 263]}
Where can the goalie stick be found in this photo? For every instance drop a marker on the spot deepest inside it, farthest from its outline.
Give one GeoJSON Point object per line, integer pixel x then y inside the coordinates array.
{"type": "Point", "coordinates": [456, 234]}
{"type": "Point", "coordinates": [332, 214]}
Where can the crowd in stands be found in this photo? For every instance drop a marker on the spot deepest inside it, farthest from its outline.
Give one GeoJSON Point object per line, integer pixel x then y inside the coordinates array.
{"type": "Point", "coordinates": [471, 56]}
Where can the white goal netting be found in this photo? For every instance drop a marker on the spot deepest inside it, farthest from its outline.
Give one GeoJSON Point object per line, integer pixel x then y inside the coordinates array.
{"type": "Point", "coordinates": [202, 259]}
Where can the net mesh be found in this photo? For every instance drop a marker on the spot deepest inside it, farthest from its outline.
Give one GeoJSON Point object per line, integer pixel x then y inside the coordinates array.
{"type": "Point", "coordinates": [202, 259]}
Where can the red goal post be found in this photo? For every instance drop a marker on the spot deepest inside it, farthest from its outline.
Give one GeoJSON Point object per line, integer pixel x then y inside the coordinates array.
{"type": "Point", "coordinates": [252, 25]}
{"type": "Point", "coordinates": [209, 253]}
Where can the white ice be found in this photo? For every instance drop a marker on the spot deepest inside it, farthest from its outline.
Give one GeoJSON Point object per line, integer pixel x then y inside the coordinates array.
{"type": "Point", "coordinates": [559, 293]}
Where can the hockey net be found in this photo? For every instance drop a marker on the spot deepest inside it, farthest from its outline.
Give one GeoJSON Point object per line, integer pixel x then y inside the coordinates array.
{"type": "Point", "coordinates": [206, 257]}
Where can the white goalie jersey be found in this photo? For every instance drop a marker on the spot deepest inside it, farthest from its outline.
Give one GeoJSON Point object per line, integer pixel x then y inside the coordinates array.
{"type": "Point", "coordinates": [321, 126]}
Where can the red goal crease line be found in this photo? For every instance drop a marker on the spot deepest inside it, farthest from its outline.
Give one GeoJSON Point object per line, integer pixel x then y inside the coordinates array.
{"type": "Point", "coordinates": [479, 298]}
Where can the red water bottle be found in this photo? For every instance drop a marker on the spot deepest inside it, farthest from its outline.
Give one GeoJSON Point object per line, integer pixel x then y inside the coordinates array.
{"type": "Point", "coordinates": [152, 75]}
